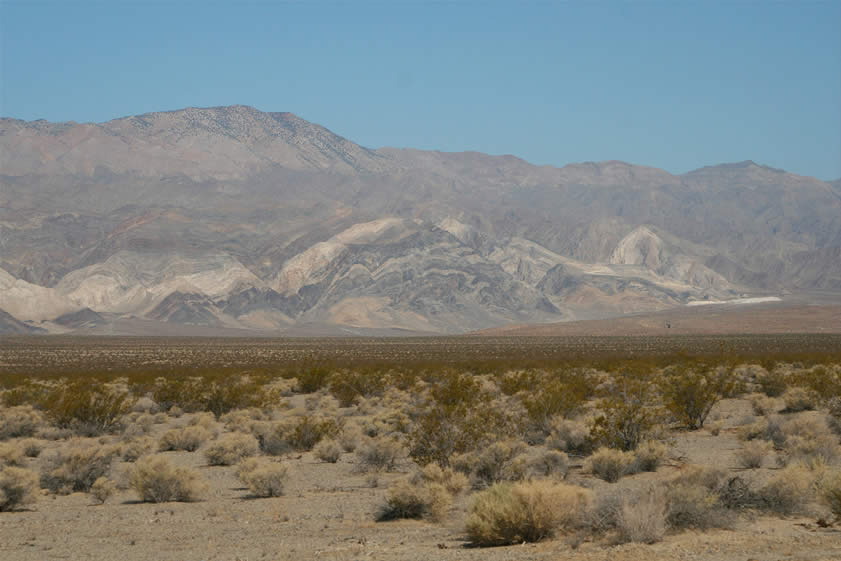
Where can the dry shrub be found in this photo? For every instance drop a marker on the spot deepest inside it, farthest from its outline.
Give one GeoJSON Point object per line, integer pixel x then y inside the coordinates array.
{"type": "Point", "coordinates": [501, 461]}
{"type": "Point", "coordinates": [231, 449]}
{"type": "Point", "coordinates": [145, 404]}
{"type": "Point", "coordinates": [309, 431]}
{"type": "Point", "coordinates": [379, 454]}
{"type": "Point", "coordinates": [155, 480]}
{"type": "Point", "coordinates": [263, 478]}
{"type": "Point", "coordinates": [18, 487]}
{"type": "Point", "coordinates": [788, 492]}
{"type": "Point", "coordinates": [569, 436]}
{"type": "Point", "coordinates": [509, 513]}
{"type": "Point", "coordinates": [243, 420]}
{"type": "Point", "coordinates": [609, 464]}
{"type": "Point", "coordinates": [765, 405]}
{"type": "Point", "coordinates": [800, 399]}
{"type": "Point", "coordinates": [642, 520]}
{"type": "Point", "coordinates": [31, 447]}
{"type": "Point", "coordinates": [774, 383]}
{"type": "Point", "coordinates": [187, 438]}
{"type": "Point", "coordinates": [18, 421]}
{"type": "Point", "coordinates": [806, 438]}
{"type": "Point", "coordinates": [695, 506]}
{"type": "Point", "coordinates": [830, 493]}
{"type": "Point", "coordinates": [11, 454]}
{"type": "Point", "coordinates": [350, 437]}
{"type": "Point", "coordinates": [551, 463]}
{"type": "Point", "coordinates": [427, 500]}
{"type": "Point", "coordinates": [137, 448]}
{"type": "Point", "coordinates": [76, 467]}
{"type": "Point", "coordinates": [328, 450]}
{"type": "Point", "coordinates": [102, 489]}
{"type": "Point", "coordinates": [753, 454]}
{"type": "Point", "coordinates": [453, 481]}
{"type": "Point", "coordinates": [649, 456]}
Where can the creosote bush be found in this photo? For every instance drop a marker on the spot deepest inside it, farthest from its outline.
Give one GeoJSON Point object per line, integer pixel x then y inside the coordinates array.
{"type": "Point", "coordinates": [628, 414]}
{"type": "Point", "coordinates": [18, 487]}
{"type": "Point", "coordinates": [88, 408]}
{"type": "Point", "coordinates": [511, 513]}
{"type": "Point", "coordinates": [154, 479]}
{"type": "Point", "coordinates": [691, 391]}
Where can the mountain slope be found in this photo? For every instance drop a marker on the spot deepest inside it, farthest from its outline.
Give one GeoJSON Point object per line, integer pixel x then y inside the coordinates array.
{"type": "Point", "coordinates": [232, 217]}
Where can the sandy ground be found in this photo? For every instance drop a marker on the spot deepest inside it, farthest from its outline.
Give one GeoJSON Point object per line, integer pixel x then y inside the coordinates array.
{"type": "Point", "coordinates": [328, 513]}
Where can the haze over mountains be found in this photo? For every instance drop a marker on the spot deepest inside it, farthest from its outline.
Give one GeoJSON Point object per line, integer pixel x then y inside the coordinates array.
{"type": "Point", "coordinates": [229, 218]}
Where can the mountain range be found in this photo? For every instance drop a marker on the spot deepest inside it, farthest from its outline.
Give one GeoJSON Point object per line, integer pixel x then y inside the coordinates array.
{"type": "Point", "coordinates": [232, 220]}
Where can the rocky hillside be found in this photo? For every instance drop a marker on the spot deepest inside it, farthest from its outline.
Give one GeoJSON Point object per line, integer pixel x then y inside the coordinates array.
{"type": "Point", "coordinates": [232, 218]}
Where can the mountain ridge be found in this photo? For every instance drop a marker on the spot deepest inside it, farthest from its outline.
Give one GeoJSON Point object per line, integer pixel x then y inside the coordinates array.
{"type": "Point", "coordinates": [265, 221]}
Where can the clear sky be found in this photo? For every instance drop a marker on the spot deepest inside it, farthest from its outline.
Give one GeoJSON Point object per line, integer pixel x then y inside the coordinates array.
{"type": "Point", "coordinates": [676, 85]}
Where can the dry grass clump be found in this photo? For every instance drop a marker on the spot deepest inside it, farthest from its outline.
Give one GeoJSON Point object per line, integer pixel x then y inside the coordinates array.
{"type": "Point", "coordinates": [188, 438]}
{"type": "Point", "coordinates": [262, 477]}
{"type": "Point", "coordinates": [31, 447]}
{"type": "Point", "coordinates": [231, 449]}
{"type": "Point", "coordinates": [18, 487]}
{"type": "Point", "coordinates": [642, 520]}
{"type": "Point", "coordinates": [76, 467]}
{"type": "Point", "coordinates": [328, 450]}
{"type": "Point", "coordinates": [379, 454]}
{"type": "Point", "coordinates": [649, 456]}
{"type": "Point", "coordinates": [753, 453]}
{"type": "Point", "coordinates": [102, 489]}
{"type": "Point", "coordinates": [18, 421]}
{"type": "Point", "coordinates": [509, 513]}
{"type": "Point", "coordinates": [424, 499]}
{"type": "Point", "coordinates": [11, 454]}
{"type": "Point", "coordinates": [155, 480]}
{"type": "Point", "coordinates": [454, 482]}
{"type": "Point", "coordinates": [609, 464]}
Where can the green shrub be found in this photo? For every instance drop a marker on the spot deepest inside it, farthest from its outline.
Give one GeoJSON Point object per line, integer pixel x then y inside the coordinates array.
{"type": "Point", "coordinates": [690, 392]}
{"type": "Point", "coordinates": [88, 408]}
{"type": "Point", "coordinates": [628, 415]}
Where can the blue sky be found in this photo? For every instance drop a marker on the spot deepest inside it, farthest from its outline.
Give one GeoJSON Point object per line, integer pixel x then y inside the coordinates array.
{"type": "Point", "coordinates": [676, 85]}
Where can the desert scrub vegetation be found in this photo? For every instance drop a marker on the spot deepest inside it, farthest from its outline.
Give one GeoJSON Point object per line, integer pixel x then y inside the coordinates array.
{"type": "Point", "coordinates": [18, 487]}
{"type": "Point", "coordinates": [610, 464]}
{"type": "Point", "coordinates": [76, 467]}
{"type": "Point", "coordinates": [156, 480]}
{"type": "Point", "coordinates": [262, 477]}
{"type": "Point", "coordinates": [642, 520]}
{"type": "Point", "coordinates": [628, 413]}
{"type": "Point", "coordinates": [510, 513]}
{"type": "Point", "coordinates": [86, 407]}
{"type": "Point", "coordinates": [189, 439]}
{"type": "Point", "coordinates": [328, 450]}
{"type": "Point", "coordinates": [379, 454]}
{"type": "Point", "coordinates": [19, 421]}
{"type": "Point", "coordinates": [689, 391]}
{"type": "Point", "coordinates": [231, 449]}
{"type": "Point", "coordinates": [420, 498]}
{"type": "Point", "coordinates": [753, 453]}
{"type": "Point", "coordinates": [102, 489]}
